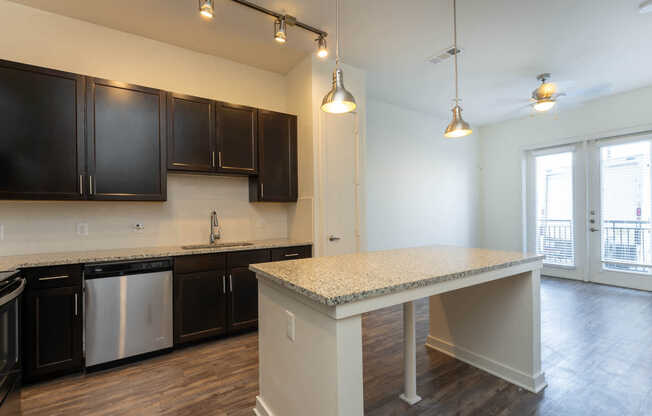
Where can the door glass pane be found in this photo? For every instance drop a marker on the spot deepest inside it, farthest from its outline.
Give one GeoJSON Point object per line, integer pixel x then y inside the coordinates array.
{"type": "Point", "coordinates": [625, 194]}
{"type": "Point", "coordinates": [554, 204]}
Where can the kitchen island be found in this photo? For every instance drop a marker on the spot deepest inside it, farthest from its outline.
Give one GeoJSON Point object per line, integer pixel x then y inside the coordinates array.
{"type": "Point", "coordinates": [484, 309]}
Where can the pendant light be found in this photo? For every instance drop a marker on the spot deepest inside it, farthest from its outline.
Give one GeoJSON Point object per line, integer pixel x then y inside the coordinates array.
{"type": "Point", "coordinates": [338, 100]}
{"type": "Point", "coordinates": [457, 127]}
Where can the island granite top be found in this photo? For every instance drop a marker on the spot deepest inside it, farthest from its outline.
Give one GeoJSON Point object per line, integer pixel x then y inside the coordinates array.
{"type": "Point", "coordinates": [95, 256]}
{"type": "Point", "coordinates": [337, 280]}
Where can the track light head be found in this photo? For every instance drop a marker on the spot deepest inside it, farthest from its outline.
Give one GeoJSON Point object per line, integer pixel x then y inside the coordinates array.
{"type": "Point", "coordinates": [280, 30]}
{"type": "Point", "coordinates": [322, 48]}
{"type": "Point", "coordinates": [206, 8]}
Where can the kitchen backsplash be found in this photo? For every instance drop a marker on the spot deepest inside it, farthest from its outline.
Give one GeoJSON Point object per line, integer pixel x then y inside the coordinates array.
{"type": "Point", "coordinates": [40, 226]}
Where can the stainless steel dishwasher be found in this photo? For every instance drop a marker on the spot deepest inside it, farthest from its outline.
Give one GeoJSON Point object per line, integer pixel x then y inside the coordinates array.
{"type": "Point", "coordinates": [128, 309]}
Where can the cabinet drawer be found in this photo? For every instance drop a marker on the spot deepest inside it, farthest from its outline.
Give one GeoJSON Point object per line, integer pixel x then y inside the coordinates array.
{"type": "Point", "coordinates": [199, 263]}
{"type": "Point", "coordinates": [55, 276]}
{"type": "Point", "coordinates": [245, 258]}
{"type": "Point", "coordinates": [291, 253]}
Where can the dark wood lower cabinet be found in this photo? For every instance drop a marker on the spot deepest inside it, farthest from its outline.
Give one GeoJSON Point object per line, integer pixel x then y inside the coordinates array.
{"type": "Point", "coordinates": [199, 305]}
{"type": "Point", "coordinates": [53, 332]}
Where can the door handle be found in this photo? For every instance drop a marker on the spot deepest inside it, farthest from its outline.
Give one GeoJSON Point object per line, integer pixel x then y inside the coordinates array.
{"type": "Point", "coordinates": [593, 229]}
{"type": "Point", "coordinates": [333, 238]}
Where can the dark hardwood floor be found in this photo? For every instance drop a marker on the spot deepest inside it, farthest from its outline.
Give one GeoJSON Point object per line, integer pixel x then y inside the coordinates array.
{"type": "Point", "coordinates": [597, 355]}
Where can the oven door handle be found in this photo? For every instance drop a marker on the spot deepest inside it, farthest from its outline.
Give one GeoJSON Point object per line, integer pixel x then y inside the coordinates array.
{"type": "Point", "coordinates": [14, 294]}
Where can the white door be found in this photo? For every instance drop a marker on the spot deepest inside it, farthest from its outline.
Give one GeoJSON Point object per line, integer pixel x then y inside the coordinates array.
{"type": "Point", "coordinates": [619, 212]}
{"type": "Point", "coordinates": [556, 205]}
{"type": "Point", "coordinates": [339, 195]}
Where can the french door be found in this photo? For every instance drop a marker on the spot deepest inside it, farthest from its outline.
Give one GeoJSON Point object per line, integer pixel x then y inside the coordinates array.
{"type": "Point", "coordinates": [589, 210]}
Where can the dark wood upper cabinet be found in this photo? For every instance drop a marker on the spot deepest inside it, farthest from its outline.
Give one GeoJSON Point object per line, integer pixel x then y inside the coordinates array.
{"type": "Point", "coordinates": [237, 138]}
{"type": "Point", "coordinates": [126, 141]}
{"type": "Point", "coordinates": [41, 133]}
{"type": "Point", "coordinates": [277, 159]}
{"type": "Point", "coordinates": [191, 133]}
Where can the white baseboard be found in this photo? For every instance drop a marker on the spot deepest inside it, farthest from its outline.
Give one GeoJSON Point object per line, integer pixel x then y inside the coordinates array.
{"type": "Point", "coordinates": [534, 383]}
{"type": "Point", "coordinates": [261, 408]}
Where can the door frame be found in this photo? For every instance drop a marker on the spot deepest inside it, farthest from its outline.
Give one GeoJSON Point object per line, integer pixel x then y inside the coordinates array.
{"type": "Point", "coordinates": [580, 270]}
{"type": "Point", "coordinates": [633, 133]}
{"type": "Point", "coordinates": [597, 273]}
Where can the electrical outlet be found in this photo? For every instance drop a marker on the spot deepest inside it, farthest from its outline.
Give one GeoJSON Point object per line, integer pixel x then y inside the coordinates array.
{"type": "Point", "coordinates": [82, 228]}
{"type": "Point", "coordinates": [291, 325]}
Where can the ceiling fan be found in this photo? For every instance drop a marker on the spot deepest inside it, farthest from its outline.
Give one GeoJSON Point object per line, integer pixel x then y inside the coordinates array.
{"type": "Point", "coordinates": [545, 96]}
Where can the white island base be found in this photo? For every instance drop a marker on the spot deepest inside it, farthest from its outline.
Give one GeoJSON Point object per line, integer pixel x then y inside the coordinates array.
{"type": "Point", "coordinates": [490, 320]}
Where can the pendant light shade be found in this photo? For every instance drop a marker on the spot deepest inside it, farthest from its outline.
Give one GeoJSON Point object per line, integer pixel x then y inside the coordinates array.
{"type": "Point", "coordinates": [338, 100]}
{"type": "Point", "coordinates": [457, 127]}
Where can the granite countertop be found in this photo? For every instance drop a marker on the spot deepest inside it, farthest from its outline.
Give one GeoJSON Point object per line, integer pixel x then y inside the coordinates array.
{"type": "Point", "coordinates": [93, 256]}
{"type": "Point", "coordinates": [348, 278]}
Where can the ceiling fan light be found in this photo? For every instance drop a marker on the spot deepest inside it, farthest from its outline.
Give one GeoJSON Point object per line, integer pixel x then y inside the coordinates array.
{"type": "Point", "coordinates": [206, 8]}
{"type": "Point", "coordinates": [280, 31]}
{"type": "Point", "coordinates": [542, 106]}
{"type": "Point", "coordinates": [457, 127]}
{"type": "Point", "coordinates": [338, 100]}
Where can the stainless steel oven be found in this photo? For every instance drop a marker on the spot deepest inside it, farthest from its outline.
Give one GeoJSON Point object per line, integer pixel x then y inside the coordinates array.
{"type": "Point", "coordinates": [11, 288]}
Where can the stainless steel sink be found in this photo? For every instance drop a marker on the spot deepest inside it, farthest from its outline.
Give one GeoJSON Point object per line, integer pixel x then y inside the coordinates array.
{"type": "Point", "coordinates": [216, 245]}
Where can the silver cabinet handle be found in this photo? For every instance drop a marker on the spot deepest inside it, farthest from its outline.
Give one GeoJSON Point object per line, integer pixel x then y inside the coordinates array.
{"type": "Point", "coordinates": [262, 190]}
{"type": "Point", "coordinates": [224, 284]}
{"type": "Point", "coordinates": [292, 255]}
{"type": "Point", "coordinates": [63, 276]}
{"type": "Point", "coordinates": [91, 185]}
{"type": "Point", "coordinates": [81, 184]}
{"type": "Point", "coordinates": [333, 238]}
{"type": "Point", "coordinates": [76, 303]}
{"type": "Point", "coordinates": [219, 159]}
{"type": "Point", "coordinates": [213, 158]}
{"type": "Point", "coordinates": [231, 283]}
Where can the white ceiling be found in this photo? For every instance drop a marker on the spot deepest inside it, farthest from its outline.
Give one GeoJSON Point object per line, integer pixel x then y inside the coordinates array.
{"type": "Point", "coordinates": [602, 47]}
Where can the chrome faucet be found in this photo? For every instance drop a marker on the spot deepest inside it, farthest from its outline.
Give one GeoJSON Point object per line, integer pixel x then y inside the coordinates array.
{"type": "Point", "coordinates": [215, 228]}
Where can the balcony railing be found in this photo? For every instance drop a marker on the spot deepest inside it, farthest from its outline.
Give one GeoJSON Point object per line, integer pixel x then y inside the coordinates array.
{"type": "Point", "coordinates": [555, 240]}
{"type": "Point", "coordinates": [626, 245]}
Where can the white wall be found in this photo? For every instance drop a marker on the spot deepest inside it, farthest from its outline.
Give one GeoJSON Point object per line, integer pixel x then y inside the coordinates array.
{"type": "Point", "coordinates": [502, 149]}
{"type": "Point", "coordinates": [36, 37]}
{"type": "Point", "coordinates": [421, 188]}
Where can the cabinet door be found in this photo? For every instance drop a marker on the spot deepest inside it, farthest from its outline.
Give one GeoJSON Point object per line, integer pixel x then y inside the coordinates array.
{"type": "Point", "coordinates": [191, 133]}
{"type": "Point", "coordinates": [277, 158]}
{"type": "Point", "coordinates": [243, 299]}
{"type": "Point", "coordinates": [237, 138]}
{"type": "Point", "coordinates": [53, 332]}
{"type": "Point", "coordinates": [41, 134]}
{"type": "Point", "coordinates": [126, 141]}
{"type": "Point", "coordinates": [199, 305]}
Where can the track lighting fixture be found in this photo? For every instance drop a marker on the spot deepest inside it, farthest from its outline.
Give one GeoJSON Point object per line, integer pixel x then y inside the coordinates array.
{"type": "Point", "coordinates": [322, 49]}
{"type": "Point", "coordinates": [206, 8]}
{"type": "Point", "coordinates": [280, 31]}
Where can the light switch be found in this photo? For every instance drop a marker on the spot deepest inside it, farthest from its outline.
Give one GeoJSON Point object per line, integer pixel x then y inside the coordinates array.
{"type": "Point", "coordinates": [291, 325]}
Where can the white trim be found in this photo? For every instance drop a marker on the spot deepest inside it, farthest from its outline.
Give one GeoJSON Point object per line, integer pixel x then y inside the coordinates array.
{"type": "Point", "coordinates": [553, 150]}
{"type": "Point", "coordinates": [533, 383]}
{"type": "Point", "coordinates": [261, 408]}
{"type": "Point", "coordinates": [623, 138]}
{"type": "Point", "coordinates": [637, 129]}
{"type": "Point", "coordinates": [626, 280]}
